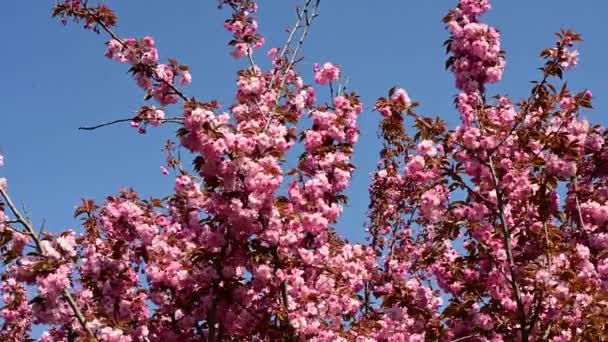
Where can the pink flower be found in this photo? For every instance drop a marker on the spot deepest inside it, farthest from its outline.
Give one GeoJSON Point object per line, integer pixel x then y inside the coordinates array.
{"type": "Point", "coordinates": [272, 52]}
{"type": "Point", "coordinates": [165, 73]}
{"type": "Point", "coordinates": [385, 111]}
{"type": "Point", "coordinates": [152, 115]}
{"type": "Point", "coordinates": [569, 59]}
{"type": "Point", "coordinates": [51, 285]}
{"type": "Point", "coordinates": [426, 148]}
{"type": "Point", "coordinates": [475, 48]}
{"type": "Point", "coordinates": [186, 77]}
{"type": "Point", "coordinates": [560, 167]}
{"type": "Point", "coordinates": [164, 170]}
{"type": "Point", "coordinates": [241, 50]}
{"type": "Point", "coordinates": [401, 97]}
{"type": "Point", "coordinates": [1, 160]}
{"type": "Point", "coordinates": [567, 103]}
{"type": "Point", "coordinates": [415, 164]}
{"type": "Point", "coordinates": [67, 243]}
{"type": "Point", "coordinates": [474, 7]}
{"type": "Point", "coordinates": [328, 73]}
{"type": "Point", "coordinates": [258, 44]}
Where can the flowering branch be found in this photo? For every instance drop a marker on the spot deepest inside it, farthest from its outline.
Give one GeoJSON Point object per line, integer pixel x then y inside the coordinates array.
{"type": "Point", "coordinates": [29, 230]}
{"type": "Point", "coordinates": [150, 69]}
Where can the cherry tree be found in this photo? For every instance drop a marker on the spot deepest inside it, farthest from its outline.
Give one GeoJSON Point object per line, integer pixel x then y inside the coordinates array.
{"type": "Point", "coordinates": [496, 230]}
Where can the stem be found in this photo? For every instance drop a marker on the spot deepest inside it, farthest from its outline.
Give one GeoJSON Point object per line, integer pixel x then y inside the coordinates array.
{"type": "Point", "coordinates": [292, 33]}
{"type": "Point", "coordinates": [30, 231]}
{"type": "Point", "coordinates": [464, 338]}
{"type": "Point", "coordinates": [578, 205]}
{"type": "Point", "coordinates": [211, 320]}
{"type": "Point", "coordinates": [506, 235]}
{"type": "Point", "coordinates": [91, 128]}
{"type": "Point", "coordinates": [308, 21]}
{"type": "Point", "coordinates": [548, 242]}
{"type": "Point", "coordinates": [251, 62]}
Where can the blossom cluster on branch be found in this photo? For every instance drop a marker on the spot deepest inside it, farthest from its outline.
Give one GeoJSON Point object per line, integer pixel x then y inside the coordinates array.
{"type": "Point", "coordinates": [470, 236]}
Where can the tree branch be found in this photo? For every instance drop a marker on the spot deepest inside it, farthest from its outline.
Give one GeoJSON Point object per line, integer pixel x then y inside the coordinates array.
{"type": "Point", "coordinates": [30, 231]}
{"type": "Point", "coordinates": [91, 128]}
{"type": "Point", "coordinates": [308, 18]}
{"type": "Point", "coordinates": [506, 235]}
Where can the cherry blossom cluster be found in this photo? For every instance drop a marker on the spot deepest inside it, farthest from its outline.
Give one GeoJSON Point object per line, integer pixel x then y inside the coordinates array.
{"type": "Point", "coordinates": [157, 79]}
{"type": "Point", "coordinates": [148, 115]}
{"type": "Point", "coordinates": [496, 230]}
{"type": "Point", "coordinates": [96, 18]}
{"type": "Point", "coordinates": [326, 74]}
{"type": "Point", "coordinates": [243, 27]}
{"type": "Point", "coordinates": [512, 278]}
{"type": "Point", "coordinates": [565, 56]}
{"type": "Point", "coordinates": [476, 57]}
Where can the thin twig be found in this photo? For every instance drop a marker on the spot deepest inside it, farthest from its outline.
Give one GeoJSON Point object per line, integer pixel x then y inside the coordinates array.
{"type": "Point", "coordinates": [251, 62]}
{"type": "Point", "coordinates": [308, 22]}
{"type": "Point", "coordinates": [464, 338]}
{"type": "Point", "coordinates": [90, 128]}
{"type": "Point", "coordinates": [578, 205]}
{"type": "Point", "coordinates": [292, 33]}
{"type": "Point", "coordinates": [548, 242]}
{"type": "Point", "coordinates": [30, 231]}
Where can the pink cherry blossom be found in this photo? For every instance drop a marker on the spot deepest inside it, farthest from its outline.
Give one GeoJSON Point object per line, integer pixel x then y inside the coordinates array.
{"type": "Point", "coordinates": [326, 74]}
{"type": "Point", "coordinates": [492, 230]}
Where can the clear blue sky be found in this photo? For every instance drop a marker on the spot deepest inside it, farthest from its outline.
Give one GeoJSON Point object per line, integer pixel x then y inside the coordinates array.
{"type": "Point", "coordinates": [56, 79]}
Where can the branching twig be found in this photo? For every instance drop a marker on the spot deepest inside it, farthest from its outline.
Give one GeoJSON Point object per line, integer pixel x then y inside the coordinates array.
{"type": "Point", "coordinates": [292, 33]}
{"type": "Point", "coordinates": [308, 22]}
{"type": "Point", "coordinates": [308, 19]}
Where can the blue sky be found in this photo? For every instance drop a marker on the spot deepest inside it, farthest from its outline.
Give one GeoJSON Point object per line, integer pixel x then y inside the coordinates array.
{"type": "Point", "coordinates": [57, 79]}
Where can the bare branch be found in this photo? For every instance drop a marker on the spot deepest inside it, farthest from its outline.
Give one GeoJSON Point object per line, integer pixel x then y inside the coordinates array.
{"type": "Point", "coordinates": [90, 128]}
{"type": "Point", "coordinates": [178, 120]}
{"type": "Point", "coordinates": [308, 18]}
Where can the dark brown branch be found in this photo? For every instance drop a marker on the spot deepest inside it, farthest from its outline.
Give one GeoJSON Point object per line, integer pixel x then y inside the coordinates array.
{"type": "Point", "coordinates": [177, 120]}
{"type": "Point", "coordinates": [90, 128]}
